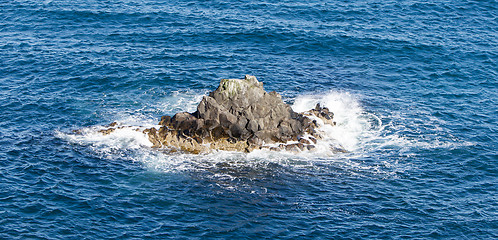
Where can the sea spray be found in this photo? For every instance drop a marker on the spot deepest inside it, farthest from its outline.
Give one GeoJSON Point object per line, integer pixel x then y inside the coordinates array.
{"type": "Point", "coordinates": [354, 126]}
{"type": "Point", "coordinates": [357, 130]}
{"type": "Point", "coordinates": [352, 121]}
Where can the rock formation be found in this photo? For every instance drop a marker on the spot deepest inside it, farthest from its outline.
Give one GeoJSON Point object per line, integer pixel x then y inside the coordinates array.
{"type": "Point", "coordinates": [239, 116]}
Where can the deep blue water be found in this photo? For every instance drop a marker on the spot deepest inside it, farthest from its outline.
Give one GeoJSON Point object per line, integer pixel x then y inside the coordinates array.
{"type": "Point", "coordinates": [413, 86]}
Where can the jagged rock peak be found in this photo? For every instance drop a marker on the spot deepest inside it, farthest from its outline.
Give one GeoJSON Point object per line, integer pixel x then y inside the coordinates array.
{"type": "Point", "coordinates": [233, 88]}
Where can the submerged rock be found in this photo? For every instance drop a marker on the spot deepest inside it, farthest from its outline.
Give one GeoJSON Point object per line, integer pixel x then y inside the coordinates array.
{"type": "Point", "coordinates": [239, 116]}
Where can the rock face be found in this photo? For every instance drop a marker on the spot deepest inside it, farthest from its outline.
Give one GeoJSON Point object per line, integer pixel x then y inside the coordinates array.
{"type": "Point", "coordinates": [239, 116]}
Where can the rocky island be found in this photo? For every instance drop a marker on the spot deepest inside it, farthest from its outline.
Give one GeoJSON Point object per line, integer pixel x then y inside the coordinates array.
{"type": "Point", "coordinates": [239, 116]}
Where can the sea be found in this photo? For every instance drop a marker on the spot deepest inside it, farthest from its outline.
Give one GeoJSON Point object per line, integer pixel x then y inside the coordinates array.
{"type": "Point", "coordinates": [413, 86]}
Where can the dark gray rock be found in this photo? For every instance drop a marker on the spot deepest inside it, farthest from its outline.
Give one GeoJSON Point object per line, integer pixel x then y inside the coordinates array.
{"type": "Point", "coordinates": [240, 115]}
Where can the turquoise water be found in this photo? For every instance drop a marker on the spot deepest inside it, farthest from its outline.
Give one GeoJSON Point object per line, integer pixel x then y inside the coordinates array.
{"type": "Point", "coordinates": [413, 86]}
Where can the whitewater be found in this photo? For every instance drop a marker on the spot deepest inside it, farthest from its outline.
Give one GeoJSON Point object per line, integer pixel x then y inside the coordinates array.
{"type": "Point", "coordinates": [359, 132]}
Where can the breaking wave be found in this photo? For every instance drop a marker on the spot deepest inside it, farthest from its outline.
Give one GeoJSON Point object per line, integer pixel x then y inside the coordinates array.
{"type": "Point", "coordinates": [360, 132]}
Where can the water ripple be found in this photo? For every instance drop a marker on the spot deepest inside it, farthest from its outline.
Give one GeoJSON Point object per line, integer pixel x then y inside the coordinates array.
{"type": "Point", "coordinates": [413, 85]}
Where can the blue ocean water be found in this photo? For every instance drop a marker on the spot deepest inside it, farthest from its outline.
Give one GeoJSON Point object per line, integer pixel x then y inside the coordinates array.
{"type": "Point", "coordinates": [413, 86]}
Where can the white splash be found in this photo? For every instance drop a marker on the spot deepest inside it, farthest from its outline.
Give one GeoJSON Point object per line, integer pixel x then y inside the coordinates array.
{"type": "Point", "coordinates": [185, 101]}
{"type": "Point", "coordinates": [354, 124]}
{"type": "Point", "coordinates": [359, 131]}
{"type": "Point", "coordinates": [123, 138]}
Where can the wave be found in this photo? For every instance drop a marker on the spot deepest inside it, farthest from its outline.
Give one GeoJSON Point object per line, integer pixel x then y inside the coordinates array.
{"type": "Point", "coordinates": [353, 122]}
{"type": "Point", "coordinates": [364, 134]}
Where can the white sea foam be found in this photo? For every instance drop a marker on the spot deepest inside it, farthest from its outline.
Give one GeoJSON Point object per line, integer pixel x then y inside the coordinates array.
{"type": "Point", "coordinates": [354, 125]}
{"type": "Point", "coordinates": [347, 115]}
{"type": "Point", "coordinates": [362, 133]}
{"type": "Point", "coordinates": [185, 101]}
{"type": "Point", "coordinates": [111, 145]}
